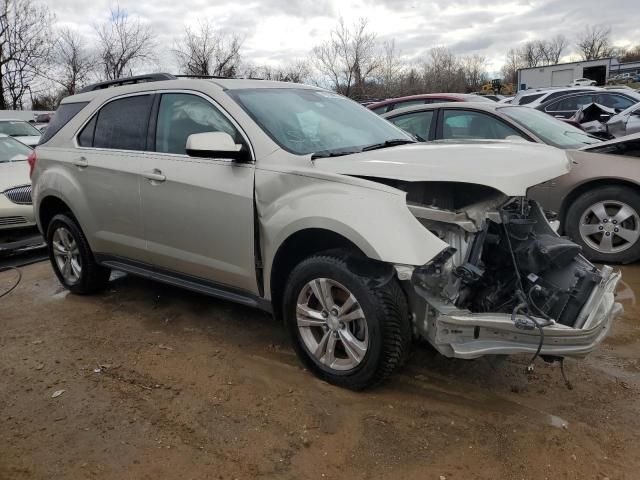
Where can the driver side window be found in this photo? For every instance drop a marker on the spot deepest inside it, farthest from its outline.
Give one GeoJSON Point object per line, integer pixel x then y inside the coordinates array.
{"type": "Point", "coordinates": [183, 114]}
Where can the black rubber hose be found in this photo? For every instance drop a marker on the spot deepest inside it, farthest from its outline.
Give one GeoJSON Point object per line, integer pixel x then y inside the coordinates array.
{"type": "Point", "coordinates": [17, 282]}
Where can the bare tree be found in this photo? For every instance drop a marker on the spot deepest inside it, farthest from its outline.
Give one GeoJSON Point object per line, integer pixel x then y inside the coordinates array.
{"type": "Point", "coordinates": [297, 71]}
{"type": "Point", "coordinates": [390, 69]}
{"type": "Point", "coordinates": [349, 58]}
{"type": "Point", "coordinates": [74, 60]}
{"type": "Point", "coordinates": [25, 48]}
{"type": "Point", "coordinates": [475, 72]}
{"type": "Point", "coordinates": [631, 55]}
{"type": "Point", "coordinates": [531, 53]}
{"type": "Point", "coordinates": [511, 66]}
{"type": "Point", "coordinates": [552, 49]}
{"type": "Point", "coordinates": [594, 42]}
{"type": "Point", "coordinates": [443, 71]}
{"type": "Point", "coordinates": [124, 43]}
{"type": "Point", "coordinates": [205, 51]}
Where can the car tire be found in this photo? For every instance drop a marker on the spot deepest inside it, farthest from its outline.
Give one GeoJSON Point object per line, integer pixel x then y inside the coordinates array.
{"type": "Point", "coordinates": [365, 341]}
{"type": "Point", "coordinates": [606, 223]}
{"type": "Point", "coordinates": [72, 259]}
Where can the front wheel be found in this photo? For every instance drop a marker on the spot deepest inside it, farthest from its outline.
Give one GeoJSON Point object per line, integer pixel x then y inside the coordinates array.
{"type": "Point", "coordinates": [346, 331]}
{"type": "Point", "coordinates": [606, 223]}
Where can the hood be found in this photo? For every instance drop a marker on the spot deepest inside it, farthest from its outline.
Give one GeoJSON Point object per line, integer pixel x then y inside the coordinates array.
{"type": "Point", "coordinates": [31, 140]}
{"type": "Point", "coordinates": [13, 174]}
{"type": "Point", "coordinates": [510, 168]}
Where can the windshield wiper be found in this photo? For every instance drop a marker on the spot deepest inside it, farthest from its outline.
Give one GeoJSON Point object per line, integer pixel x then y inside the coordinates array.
{"type": "Point", "coordinates": [327, 153]}
{"type": "Point", "coordinates": [388, 143]}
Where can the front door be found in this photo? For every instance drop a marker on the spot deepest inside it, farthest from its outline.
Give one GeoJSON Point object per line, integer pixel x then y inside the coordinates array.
{"type": "Point", "coordinates": [197, 212]}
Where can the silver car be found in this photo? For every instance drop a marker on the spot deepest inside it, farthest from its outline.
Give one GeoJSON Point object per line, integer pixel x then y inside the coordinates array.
{"type": "Point", "coordinates": [298, 201]}
{"type": "Point", "coordinates": [625, 122]}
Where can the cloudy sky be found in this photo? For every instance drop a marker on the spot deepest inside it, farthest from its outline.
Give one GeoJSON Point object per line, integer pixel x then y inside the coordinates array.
{"type": "Point", "coordinates": [278, 30]}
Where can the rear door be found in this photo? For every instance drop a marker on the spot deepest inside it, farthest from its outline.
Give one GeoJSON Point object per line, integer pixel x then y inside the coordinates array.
{"type": "Point", "coordinates": [108, 164]}
{"type": "Point", "coordinates": [197, 212]}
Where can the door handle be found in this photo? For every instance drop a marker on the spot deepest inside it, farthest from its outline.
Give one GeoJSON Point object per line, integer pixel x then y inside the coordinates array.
{"type": "Point", "coordinates": [154, 175]}
{"type": "Point", "coordinates": [81, 162]}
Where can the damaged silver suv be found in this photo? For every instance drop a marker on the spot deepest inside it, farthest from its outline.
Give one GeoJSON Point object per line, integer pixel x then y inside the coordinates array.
{"type": "Point", "coordinates": [298, 201]}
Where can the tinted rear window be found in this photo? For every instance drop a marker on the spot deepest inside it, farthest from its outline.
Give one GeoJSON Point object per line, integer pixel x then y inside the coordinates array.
{"type": "Point", "coordinates": [63, 115]}
{"type": "Point", "coordinates": [122, 124]}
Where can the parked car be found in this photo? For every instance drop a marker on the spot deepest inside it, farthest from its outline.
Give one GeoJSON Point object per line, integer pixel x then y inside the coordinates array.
{"type": "Point", "coordinates": [463, 121]}
{"type": "Point", "coordinates": [599, 201]}
{"type": "Point", "coordinates": [535, 97]}
{"type": "Point", "coordinates": [16, 210]}
{"type": "Point", "coordinates": [566, 106]}
{"type": "Point", "coordinates": [625, 122]}
{"type": "Point", "coordinates": [584, 82]}
{"type": "Point", "coordinates": [21, 131]}
{"type": "Point", "coordinates": [301, 202]}
{"type": "Point", "coordinates": [403, 102]}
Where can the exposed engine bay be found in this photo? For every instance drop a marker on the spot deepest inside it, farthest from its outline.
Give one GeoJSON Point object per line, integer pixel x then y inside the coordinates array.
{"type": "Point", "coordinates": [506, 271]}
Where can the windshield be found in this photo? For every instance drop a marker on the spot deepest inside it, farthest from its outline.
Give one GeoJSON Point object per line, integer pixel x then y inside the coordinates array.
{"type": "Point", "coordinates": [18, 128]}
{"type": "Point", "coordinates": [548, 129]}
{"type": "Point", "coordinates": [12, 150]}
{"type": "Point", "coordinates": [304, 121]}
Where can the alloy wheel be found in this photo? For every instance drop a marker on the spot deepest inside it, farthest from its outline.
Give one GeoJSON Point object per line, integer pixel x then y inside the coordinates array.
{"type": "Point", "coordinates": [332, 324]}
{"type": "Point", "coordinates": [67, 255]}
{"type": "Point", "coordinates": [610, 226]}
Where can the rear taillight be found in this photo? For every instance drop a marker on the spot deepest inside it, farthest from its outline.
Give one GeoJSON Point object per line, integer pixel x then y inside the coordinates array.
{"type": "Point", "coordinates": [31, 159]}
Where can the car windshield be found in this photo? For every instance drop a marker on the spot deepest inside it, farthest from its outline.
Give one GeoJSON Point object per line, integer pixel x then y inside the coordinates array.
{"type": "Point", "coordinates": [18, 128]}
{"type": "Point", "coordinates": [12, 150]}
{"type": "Point", "coordinates": [304, 121]}
{"type": "Point", "coordinates": [548, 129]}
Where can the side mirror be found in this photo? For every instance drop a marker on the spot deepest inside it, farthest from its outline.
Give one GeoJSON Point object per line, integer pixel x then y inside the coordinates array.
{"type": "Point", "coordinates": [215, 145]}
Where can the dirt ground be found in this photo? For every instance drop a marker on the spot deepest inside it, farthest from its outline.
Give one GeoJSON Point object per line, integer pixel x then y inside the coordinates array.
{"type": "Point", "coordinates": [162, 383]}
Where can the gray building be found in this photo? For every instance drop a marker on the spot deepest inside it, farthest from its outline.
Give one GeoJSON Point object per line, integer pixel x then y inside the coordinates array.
{"type": "Point", "coordinates": [564, 74]}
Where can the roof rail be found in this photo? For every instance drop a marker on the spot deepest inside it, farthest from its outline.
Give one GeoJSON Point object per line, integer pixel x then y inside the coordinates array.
{"type": "Point", "coordinates": [151, 77]}
{"type": "Point", "coordinates": [217, 77]}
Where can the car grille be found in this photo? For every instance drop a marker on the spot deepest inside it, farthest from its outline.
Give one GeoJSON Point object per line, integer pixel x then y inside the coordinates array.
{"type": "Point", "coordinates": [20, 195]}
{"type": "Point", "coordinates": [12, 221]}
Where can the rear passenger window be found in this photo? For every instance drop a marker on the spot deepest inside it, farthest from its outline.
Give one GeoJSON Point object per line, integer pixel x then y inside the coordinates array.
{"type": "Point", "coordinates": [63, 115]}
{"type": "Point", "coordinates": [464, 124]}
{"type": "Point", "coordinates": [417, 123]}
{"type": "Point", "coordinates": [122, 124]}
{"type": "Point", "coordinates": [85, 139]}
{"type": "Point", "coordinates": [181, 115]}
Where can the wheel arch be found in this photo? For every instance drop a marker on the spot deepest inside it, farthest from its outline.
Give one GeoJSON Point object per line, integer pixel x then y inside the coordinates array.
{"type": "Point", "coordinates": [298, 246]}
{"type": "Point", "coordinates": [49, 207]}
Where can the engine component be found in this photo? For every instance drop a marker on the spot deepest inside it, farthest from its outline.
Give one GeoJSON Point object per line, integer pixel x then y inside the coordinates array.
{"type": "Point", "coordinates": [523, 261]}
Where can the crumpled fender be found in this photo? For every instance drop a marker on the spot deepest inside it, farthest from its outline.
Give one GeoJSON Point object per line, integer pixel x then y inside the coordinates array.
{"type": "Point", "coordinates": [376, 220]}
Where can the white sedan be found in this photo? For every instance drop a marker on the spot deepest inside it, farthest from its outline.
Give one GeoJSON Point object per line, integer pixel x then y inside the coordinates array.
{"type": "Point", "coordinates": [16, 210]}
{"type": "Point", "coordinates": [583, 82]}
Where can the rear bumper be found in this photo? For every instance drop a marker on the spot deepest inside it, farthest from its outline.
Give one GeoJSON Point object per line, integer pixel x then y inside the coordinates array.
{"type": "Point", "coordinates": [462, 334]}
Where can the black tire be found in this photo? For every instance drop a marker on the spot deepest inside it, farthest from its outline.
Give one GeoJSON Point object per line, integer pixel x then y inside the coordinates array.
{"type": "Point", "coordinates": [626, 195]}
{"type": "Point", "coordinates": [386, 315]}
{"type": "Point", "coordinates": [93, 277]}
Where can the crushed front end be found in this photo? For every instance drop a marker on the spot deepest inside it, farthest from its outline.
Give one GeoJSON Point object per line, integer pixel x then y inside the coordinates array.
{"type": "Point", "coordinates": [507, 284]}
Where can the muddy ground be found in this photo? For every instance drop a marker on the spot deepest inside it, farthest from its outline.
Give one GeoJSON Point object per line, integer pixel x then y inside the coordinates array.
{"type": "Point", "coordinates": [162, 383]}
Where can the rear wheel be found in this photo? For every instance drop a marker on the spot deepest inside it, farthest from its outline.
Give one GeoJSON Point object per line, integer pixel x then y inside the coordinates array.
{"type": "Point", "coordinates": [344, 330]}
{"type": "Point", "coordinates": [606, 222]}
{"type": "Point", "coordinates": [71, 257]}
